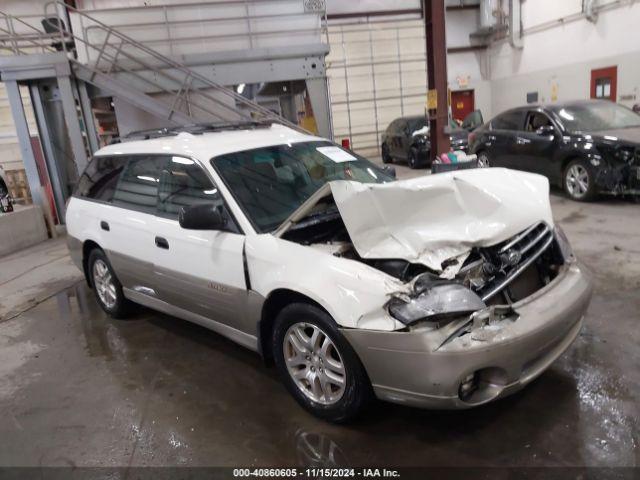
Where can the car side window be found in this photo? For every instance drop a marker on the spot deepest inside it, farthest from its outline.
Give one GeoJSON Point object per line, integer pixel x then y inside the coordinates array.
{"type": "Point", "coordinates": [183, 183]}
{"type": "Point", "coordinates": [535, 120]}
{"type": "Point", "coordinates": [508, 121]}
{"type": "Point", "coordinates": [138, 185]}
{"type": "Point", "coordinates": [100, 178]}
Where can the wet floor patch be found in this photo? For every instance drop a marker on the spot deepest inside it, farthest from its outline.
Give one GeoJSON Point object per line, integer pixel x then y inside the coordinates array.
{"type": "Point", "coordinates": [155, 390]}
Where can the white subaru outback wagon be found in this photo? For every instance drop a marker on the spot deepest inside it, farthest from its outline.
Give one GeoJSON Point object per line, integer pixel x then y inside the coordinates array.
{"type": "Point", "coordinates": [444, 291]}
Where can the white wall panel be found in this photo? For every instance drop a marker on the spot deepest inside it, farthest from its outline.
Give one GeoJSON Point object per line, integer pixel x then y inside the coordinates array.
{"type": "Point", "coordinates": [562, 57]}
{"type": "Point", "coordinates": [377, 72]}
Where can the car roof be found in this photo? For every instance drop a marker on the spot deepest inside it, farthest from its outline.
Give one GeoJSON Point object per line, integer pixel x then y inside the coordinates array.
{"type": "Point", "coordinates": [210, 144]}
{"type": "Point", "coordinates": [555, 105]}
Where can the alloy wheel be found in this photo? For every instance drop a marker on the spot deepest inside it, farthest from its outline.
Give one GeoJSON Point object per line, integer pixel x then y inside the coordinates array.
{"type": "Point", "coordinates": [483, 160]}
{"type": "Point", "coordinates": [314, 363]}
{"type": "Point", "coordinates": [104, 284]}
{"type": "Point", "coordinates": [577, 180]}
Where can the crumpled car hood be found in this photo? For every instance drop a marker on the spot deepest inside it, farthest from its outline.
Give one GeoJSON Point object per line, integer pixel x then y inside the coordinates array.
{"type": "Point", "coordinates": [435, 218]}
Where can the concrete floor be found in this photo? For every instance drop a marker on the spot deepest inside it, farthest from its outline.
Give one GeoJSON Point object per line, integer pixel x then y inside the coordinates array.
{"type": "Point", "coordinates": [78, 388]}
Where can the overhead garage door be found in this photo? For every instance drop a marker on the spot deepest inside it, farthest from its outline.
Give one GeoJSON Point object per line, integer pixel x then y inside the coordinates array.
{"type": "Point", "coordinates": [377, 72]}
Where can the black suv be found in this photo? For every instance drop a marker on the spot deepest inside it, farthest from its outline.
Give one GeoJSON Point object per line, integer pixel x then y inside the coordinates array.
{"type": "Point", "coordinates": [587, 147]}
{"type": "Point", "coordinates": [407, 138]}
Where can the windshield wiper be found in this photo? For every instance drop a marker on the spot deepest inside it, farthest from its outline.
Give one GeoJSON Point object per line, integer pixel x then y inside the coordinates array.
{"type": "Point", "coordinates": [320, 217]}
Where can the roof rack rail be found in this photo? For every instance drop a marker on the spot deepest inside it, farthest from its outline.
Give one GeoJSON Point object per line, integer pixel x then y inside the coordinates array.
{"type": "Point", "coordinates": [194, 129]}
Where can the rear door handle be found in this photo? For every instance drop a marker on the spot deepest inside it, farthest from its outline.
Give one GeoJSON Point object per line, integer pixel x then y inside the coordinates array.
{"type": "Point", "coordinates": [162, 243]}
{"type": "Point", "coordinates": [522, 141]}
{"type": "Point", "coordinates": [104, 225]}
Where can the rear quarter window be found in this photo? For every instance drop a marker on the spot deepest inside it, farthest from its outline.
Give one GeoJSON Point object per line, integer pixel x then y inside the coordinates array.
{"type": "Point", "coordinates": [100, 178]}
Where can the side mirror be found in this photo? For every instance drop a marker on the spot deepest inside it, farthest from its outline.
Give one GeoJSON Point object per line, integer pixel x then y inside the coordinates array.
{"type": "Point", "coordinates": [391, 171]}
{"type": "Point", "coordinates": [202, 217]}
{"type": "Point", "coordinates": [546, 130]}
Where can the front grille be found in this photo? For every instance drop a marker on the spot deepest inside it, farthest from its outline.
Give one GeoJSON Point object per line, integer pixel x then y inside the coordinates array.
{"type": "Point", "coordinates": [505, 262]}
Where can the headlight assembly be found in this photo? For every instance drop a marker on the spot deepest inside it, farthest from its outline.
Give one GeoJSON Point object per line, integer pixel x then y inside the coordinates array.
{"type": "Point", "coordinates": [433, 302]}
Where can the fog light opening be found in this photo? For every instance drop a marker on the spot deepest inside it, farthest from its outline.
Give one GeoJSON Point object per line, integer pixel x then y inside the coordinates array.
{"type": "Point", "coordinates": [482, 385]}
{"type": "Point", "coordinates": [468, 386]}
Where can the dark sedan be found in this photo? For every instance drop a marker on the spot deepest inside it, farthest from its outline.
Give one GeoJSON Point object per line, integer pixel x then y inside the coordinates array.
{"type": "Point", "coordinates": [587, 147]}
{"type": "Point", "coordinates": [407, 139]}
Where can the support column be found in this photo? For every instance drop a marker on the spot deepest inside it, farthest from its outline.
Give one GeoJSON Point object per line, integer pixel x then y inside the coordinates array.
{"type": "Point", "coordinates": [56, 178]}
{"type": "Point", "coordinates": [87, 116]}
{"type": "Point", "coordinates": [73, 123]}
{"type": "Point", "coordinates": [319, 96]}
{"type": "Point", "coordinates": [24, 138]}
{"type": "Point", "coordinates": [437, 74]}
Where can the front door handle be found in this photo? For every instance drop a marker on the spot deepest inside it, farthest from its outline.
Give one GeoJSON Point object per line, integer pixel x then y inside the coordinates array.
{"type": "Point", "coordinates": [162, 243]}
{"type": "Point", "coordinates": [522, 141]}
{"type": "Point", "coordinates": [104, 225]}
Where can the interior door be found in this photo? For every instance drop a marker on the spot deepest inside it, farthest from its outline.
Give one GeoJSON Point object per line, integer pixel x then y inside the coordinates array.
{"type": "Point", "coordinates": [462, 104]}
{"type": "Point", "coordinates": [201, 271]}
{"type": "Point", "coordinates": [604, 83]}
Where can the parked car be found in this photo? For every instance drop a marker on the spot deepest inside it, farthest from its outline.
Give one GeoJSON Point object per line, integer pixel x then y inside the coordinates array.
{"type": "Point", "coordinates": [587, 147]}
{"type": "Point", "coordinates": [317, 259]}
{"type": "Point", "coordinates": [407, 139]}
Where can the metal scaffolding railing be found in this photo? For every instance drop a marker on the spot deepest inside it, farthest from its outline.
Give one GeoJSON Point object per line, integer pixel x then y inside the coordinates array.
{"type": "Point", "coordinates": [183, 90]}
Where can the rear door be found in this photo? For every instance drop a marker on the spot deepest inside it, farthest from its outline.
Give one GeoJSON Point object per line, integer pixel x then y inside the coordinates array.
{"type": "Point", "coordinates": [501, 138]}
{"type": "Point", "coordinates": [536, 145]}
{"type": "Point", "coordinates": [397, 134]}
{"type": "Point", "coordinates": [130, 222]}
{"type": "Point", "coordinates": [201, 271]}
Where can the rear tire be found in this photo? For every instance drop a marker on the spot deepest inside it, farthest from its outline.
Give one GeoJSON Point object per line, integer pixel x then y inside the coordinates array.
{"type": "Point", "coordinates": [578, 181]}
{"type": "Point", "coordinates": [483, 160]}
{"type": "Point", "coordinates": [106, 285]}
{"type": "Point", "coordinates": [317, 364]}
{"type": "Point", "coordinates": [386, 157]}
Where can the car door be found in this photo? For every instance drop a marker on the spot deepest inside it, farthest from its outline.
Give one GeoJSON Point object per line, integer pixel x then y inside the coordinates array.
{"type": "Point", "coordinates": [536, 145]}
{"type": "Point", "coordinates": [129, 222]}
{"type": "Point", "coordinates": [500, 139]}
{"type": "Point", "coordinates": [397, 143]}
{"type": "Point", "coordinates": [201, 271]}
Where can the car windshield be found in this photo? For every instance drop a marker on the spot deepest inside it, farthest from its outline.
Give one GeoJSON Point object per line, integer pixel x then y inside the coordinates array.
{"type": "Point", "coordinates": [270, 183]}
{"type": "Point", "coordinates": [596, 116]}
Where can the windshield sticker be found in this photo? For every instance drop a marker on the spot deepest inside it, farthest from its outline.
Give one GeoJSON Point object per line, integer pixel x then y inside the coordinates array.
{"type": "Point", "coordinates": [336, 154]}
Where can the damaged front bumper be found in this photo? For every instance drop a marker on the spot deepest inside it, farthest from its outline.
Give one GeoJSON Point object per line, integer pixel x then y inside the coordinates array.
{"type": "Point", "coordinates": [432, 368]}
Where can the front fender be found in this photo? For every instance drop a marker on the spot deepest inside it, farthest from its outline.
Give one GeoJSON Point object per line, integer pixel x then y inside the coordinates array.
{"type": "Point", "coordinates": [348, 290]}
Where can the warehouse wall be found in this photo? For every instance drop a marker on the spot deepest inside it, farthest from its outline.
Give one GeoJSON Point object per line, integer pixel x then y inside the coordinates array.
{"type": "Point", "coordinates": [560, 57]}
{"type": "Point", "coordinates": [377, 72]}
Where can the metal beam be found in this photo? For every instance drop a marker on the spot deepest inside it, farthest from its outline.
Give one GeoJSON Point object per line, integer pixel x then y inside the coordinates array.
{"type": "Point", "coordinates": [24, 138]}
{"type": "Point", "coordinates": [319, 96]}
{"type": "Point", "coordinates": [437, 74]}
{"type": "Point", "coordinates": [53, 167]}
{"type": "Point", "coordinates": [88, 117]}
{"type": "Point", "coordinates": [73, 123]}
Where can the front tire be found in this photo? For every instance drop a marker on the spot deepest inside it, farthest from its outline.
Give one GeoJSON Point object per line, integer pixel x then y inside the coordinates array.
{"type": "Point", "coordinates": [106, 285]}
{"type": "Point", "coordinates": [317, 365]}
{"type": "Point", "coordinates": [579, 181]}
